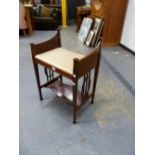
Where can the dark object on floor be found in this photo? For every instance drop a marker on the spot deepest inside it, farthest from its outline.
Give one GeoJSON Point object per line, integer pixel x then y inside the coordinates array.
{"type": "Point", "coordinates": [23, 32]}
{"type": "Point", "coordinates": [70, 65]}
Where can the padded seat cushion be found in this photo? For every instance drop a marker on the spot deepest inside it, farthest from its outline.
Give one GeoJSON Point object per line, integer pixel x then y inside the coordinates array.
{"type": "Point", "coordinates": [60, 58]}
{"type": "Point", "coordinates": [45, 12]}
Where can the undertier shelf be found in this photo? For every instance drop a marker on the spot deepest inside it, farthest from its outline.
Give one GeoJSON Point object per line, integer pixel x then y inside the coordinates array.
{"type": "Point", "coordinates": [65, 91]}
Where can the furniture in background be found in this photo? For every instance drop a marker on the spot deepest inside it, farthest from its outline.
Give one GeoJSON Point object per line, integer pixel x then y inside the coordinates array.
{"type": "Point", "coordinates": [46, 17]}
{"type": "Point", "coordinates": [46, 1]}
{"type": "Point", "coordinates": [113, 11]}
{"type": "Point", "coordinates": [71, 65]}
{"type": "Point", "coordinates": [29, 19]}
{"type": "Point", "coordinates": [52, 2]}
{"type": "Point", "coordinates": [81, 12]}
{"type": "Point", "coordinates": [59, 7]}
{"type": "Point", "coordinates": [22, 21]}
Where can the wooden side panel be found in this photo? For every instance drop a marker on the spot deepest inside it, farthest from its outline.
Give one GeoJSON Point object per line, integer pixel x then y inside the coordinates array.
{"type": "Point", "coordinates": [99, 8]}
{"type": "Point", "coordinates": [117, 15]}
{"type": "Point", "coordinates": [87, 63]}
{"type": "Point", "coordinates": [50, 44]}
{"type": "Point", "coordinates": [113, 12]}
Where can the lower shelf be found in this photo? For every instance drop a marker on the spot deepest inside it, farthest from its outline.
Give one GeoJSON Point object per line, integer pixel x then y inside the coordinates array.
{"type": "Point", "coordinates": [65, 91]}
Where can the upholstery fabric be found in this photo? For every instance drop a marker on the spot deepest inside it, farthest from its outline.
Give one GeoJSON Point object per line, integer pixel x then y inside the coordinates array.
{"type": "Point", "coordinates": [60, 58]}
{"type": "Point", "coordinates": [47, 17]}
{"type": "Point", "coordinates": [44, 11]}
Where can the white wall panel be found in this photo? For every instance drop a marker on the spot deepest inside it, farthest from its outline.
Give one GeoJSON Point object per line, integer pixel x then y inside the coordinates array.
{"type": "Point", "coordinates": [128, 34]}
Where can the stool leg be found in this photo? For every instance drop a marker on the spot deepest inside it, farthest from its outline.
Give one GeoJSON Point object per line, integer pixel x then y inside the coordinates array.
{"type": "Point", "coordinates": [38, 80]}
{"type": "Point", "coordinates": [94, 84]}
{"type": "Point", "coordinates": [74, 102]}
{"type": "Point", "coordinates": [61, 78]}
{"type": "Point", "coordinates": [24, 32]}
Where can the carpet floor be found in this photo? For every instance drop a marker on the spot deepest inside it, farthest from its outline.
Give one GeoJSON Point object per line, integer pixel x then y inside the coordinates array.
{"type": "Point", "coordinates": [104, 128]}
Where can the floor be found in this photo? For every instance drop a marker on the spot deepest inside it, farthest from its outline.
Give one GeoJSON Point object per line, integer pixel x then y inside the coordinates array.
{"type": "Point", "coordinates": [105, 128]}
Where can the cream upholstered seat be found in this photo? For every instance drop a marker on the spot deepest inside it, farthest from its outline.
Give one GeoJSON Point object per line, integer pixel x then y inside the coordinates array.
{"type": "Point", "coordinates": [66, 64]}
{"type": "Point", "coordinates": [60, 58]}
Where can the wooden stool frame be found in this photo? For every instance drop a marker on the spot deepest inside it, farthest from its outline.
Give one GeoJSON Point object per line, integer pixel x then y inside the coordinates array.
{"type": "Point", "coordinates": [81, 68]}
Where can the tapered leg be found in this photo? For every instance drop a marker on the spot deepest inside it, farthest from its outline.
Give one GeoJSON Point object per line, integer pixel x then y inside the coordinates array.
{"type": "Point", "coordinates": [74, 101]}
{"type": "Point", "coordinates": [94, 85]}
{"type": "Point", "coordinates": [61, 78]}
{"type": "Point", "coordinates": [38, 80]}
{"type": "Point", "coordinates": [24, 32]}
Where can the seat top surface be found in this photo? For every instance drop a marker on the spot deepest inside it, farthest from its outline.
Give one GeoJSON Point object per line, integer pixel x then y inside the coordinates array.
{"type": "Point", "coordinates": [60, 58]}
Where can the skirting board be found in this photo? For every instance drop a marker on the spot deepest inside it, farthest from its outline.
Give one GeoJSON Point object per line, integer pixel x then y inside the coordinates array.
{"type": "Point", "coordinates": [129, 50]}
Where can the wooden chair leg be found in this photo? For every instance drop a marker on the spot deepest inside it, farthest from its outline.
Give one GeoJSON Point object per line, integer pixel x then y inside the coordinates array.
{"type": "Point", "coordinates": [94, 84]}
{"type": "Point", "coordinates": [24, 32]}
{"type": "Point", "coordinates": [38, 80]}
{"type": "Point", "coordinates": [74, 102]}
{"type": "Point", "coordinates": [61, 79]}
